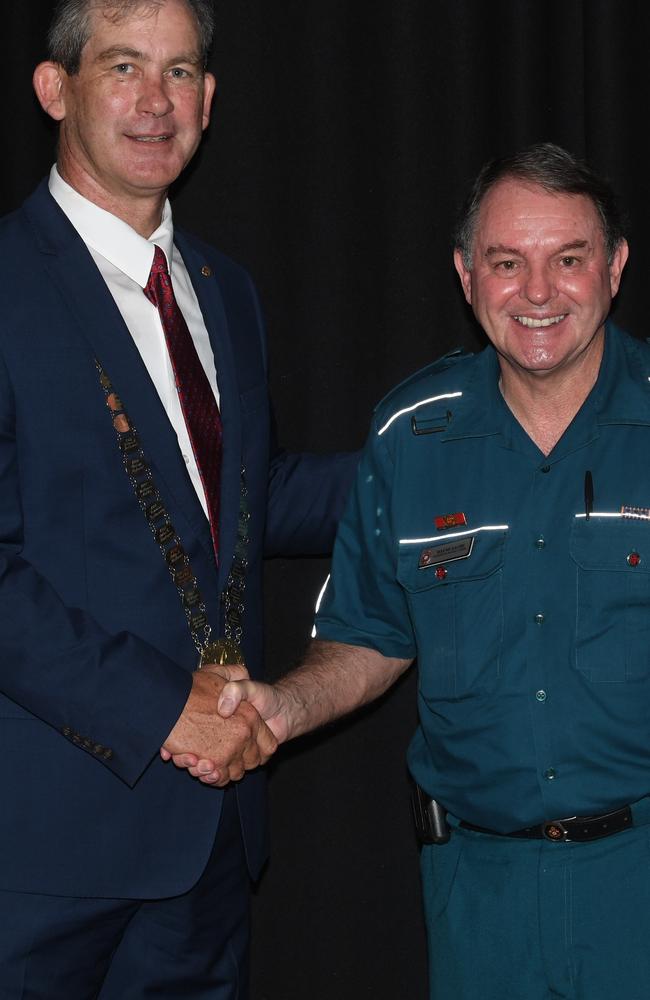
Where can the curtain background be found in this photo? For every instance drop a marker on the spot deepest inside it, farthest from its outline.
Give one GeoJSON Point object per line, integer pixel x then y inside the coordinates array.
{"type": "Point", "coordinates": [345, 133]}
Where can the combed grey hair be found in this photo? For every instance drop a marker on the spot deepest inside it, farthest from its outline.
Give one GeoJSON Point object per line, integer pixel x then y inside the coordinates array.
{"type": "Point", "coordinates": [550, 167]}
{"type": "Point", "coordinates": [70, 27]}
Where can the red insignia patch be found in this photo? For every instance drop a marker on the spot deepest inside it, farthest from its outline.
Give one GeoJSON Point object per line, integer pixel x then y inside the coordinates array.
{"type": "Point", "coordinates": [446, 521]}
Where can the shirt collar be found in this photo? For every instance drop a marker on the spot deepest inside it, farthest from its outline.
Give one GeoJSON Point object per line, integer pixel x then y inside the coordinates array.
{"type": "Point", "coordinates": [622, 391]}
{"type": "Point", "coordinates": [111, 237]}
{"type": "Point", "coordinates": [621, 396]}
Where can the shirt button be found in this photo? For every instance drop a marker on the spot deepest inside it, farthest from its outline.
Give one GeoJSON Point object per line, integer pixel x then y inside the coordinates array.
{"type": "Point", "coordinates": [545, 468]}
{"type": "Point", "coordinates": [633, 559]}
{"type": "Point", "coordinates": [186, 459]}
{"type": "Point", "coordinates": [540, 695]}
{"type": "Point", "coordinates": [539, 542]}
{"type": "Point", "coordinates": [539, 619]}
{"type": "Point", "coordinates": [550, 773]}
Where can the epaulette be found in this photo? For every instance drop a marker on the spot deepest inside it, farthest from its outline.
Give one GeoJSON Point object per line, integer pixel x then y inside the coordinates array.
{"type": "Point", "coordinates": [446, 361]}
{"type": "Point", "coordinates": [426, 393]}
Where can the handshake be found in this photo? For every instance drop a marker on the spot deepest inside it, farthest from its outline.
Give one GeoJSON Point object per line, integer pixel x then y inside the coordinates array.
{"type": "Point", "coordinates": [229, 725]}
{"type": "Point", "coordinates": [232, 724]}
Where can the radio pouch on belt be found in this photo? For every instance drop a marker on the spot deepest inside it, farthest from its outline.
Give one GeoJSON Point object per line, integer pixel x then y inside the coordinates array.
{"type": "Point", "coordinates": [430, 818]}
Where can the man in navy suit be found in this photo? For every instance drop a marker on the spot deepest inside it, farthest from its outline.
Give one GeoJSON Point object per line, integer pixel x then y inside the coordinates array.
{"type": "Point", "coordinates": [120, 875]}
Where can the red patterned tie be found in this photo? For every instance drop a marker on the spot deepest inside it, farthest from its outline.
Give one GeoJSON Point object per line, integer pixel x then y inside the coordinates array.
{"type": "Point", "coordinates": [199, 406]}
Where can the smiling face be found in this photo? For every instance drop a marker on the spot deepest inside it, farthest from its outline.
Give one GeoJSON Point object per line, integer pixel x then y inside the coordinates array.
{"type": "Point", "coordinates": [132, 117]}
{"type": "Point", "coordinates": [540, 283]}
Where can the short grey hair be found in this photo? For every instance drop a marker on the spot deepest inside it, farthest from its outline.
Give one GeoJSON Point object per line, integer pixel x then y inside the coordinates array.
{"type": "Point", "coordinates": [70, 27]}
{"type": "Point", "coordinates": [550, 167]}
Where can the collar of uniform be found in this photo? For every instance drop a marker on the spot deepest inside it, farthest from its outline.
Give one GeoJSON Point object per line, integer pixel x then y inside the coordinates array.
{"type": "Point", "coordinates": [621, 394]}
{"type": "Point", "coordinates": [480, 410]}
{"type": "Point", "coordinates": [111, 237]}
{"type": "Point", "coordinates": [622, 391]}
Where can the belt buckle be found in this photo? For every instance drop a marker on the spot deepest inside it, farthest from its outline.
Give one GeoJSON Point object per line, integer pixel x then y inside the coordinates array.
{"type": "Point", "coordinates": [556, 831]}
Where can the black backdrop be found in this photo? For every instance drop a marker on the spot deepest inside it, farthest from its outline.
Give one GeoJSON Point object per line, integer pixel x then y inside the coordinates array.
{"type": "Point", "coordinates": [345, 132]}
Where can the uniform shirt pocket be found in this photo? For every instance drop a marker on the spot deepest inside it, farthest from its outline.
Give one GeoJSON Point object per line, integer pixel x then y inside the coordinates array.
{"type": "Point", "coordinates": [612, 579]}
{"type": "Point", "coordinates": [455, 598]}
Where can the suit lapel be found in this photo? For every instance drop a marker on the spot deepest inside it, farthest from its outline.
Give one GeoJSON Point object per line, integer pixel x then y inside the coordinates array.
{"type": "Point", "coordinates": [86, 296]}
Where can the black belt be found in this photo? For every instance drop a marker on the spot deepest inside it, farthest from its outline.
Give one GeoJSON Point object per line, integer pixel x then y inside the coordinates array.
{"type": "Point", "coordinates": [574, 828]}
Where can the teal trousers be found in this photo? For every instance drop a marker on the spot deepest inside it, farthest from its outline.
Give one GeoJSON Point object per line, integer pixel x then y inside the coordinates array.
{"type": "Point", "coordinates": [533, 920]}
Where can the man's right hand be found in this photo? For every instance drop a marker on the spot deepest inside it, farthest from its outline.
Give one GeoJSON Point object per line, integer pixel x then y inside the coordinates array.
{"type": "Point", "coordinates": [269, 701]}
{"type": "Point", "coordinates": [235, 744]}
{"type": "Point", "coordinates": [335, 678]}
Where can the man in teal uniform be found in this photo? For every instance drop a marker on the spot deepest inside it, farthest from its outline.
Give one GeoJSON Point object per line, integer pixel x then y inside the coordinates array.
{"type": "Point", "coordinates": [499, 531]}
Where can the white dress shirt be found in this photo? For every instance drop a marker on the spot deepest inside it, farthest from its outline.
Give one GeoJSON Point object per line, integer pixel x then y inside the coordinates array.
{"type": "Point", "coordinates": [124, 259]}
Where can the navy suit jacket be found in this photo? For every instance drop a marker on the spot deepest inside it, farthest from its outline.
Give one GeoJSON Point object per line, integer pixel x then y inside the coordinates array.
{"type": "Point", "coordinates": [95, 652]}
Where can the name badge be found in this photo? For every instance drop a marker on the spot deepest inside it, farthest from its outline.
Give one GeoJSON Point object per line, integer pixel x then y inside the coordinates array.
{"type": "Point", "coordinates": [460, 548]}
{"type": "Point", "coordinates": [636, 513]}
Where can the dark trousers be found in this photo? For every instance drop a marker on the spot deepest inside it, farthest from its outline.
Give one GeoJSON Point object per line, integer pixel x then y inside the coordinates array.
{"type": "Point", "coordinates": [534, 920]}
{"type": "Point", "coordinates": [193, 946]}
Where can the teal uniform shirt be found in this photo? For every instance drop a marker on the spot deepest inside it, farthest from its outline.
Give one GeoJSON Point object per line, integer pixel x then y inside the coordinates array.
{"type": "Point", "coordinates": [530, 621]}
